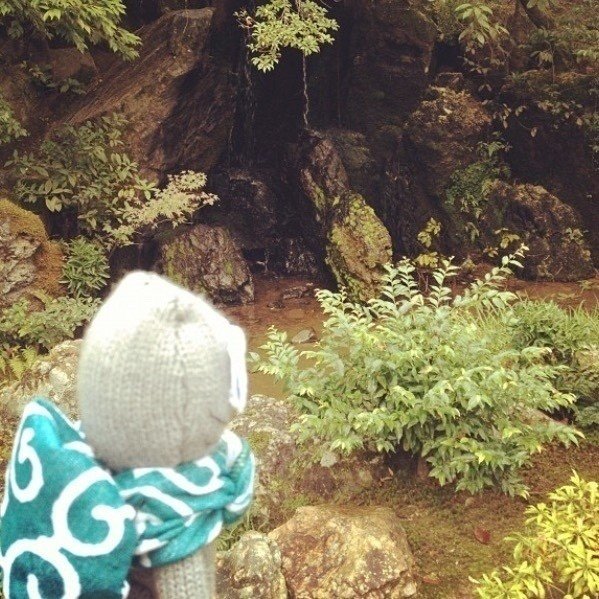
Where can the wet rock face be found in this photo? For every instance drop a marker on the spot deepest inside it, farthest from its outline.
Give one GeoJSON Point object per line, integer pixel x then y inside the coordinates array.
{"type": "Point", "coordinates": [443, 133]}
{"type": "Point", "coordinates": [551, 229]}
{"type": "Point", "coordinates": [336, 552]}
{"type": "Point", "coordinates": [251, 568]}
{"type": "Point", "coordinates": [177, 99]}
{"type": "Point", "coordinates": [206, 260]}
{"type": "Point", "coordinates": [440, 138]}
{"type": "Point", "coordinates": [391, 50]}
{"type": "Point", "coordinates": [28, 260]}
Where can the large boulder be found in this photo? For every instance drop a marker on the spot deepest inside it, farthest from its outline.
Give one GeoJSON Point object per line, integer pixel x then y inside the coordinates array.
{"type": "Point", "coordinates": [206, 260]}
{"type": "Point", "coordinates": [440, 138]}
{"type": "Point", "coordinates": [176, 96]}
{"type": "Point", "coordinates": [251, 569]}
{"type": "Point", "coordinates": [359, 247]}
{"type": "Point", "coordinates": [560, 155]}
{"type": "Point", "coordinates": [29, 261]}
{"type": "Point", "coordinates": [351, 553]}
{"type": "Point", "coordinates": [357, 244]}
{"type": "Point", "coordinates": [551, 229]}
{"type": "Point", "coordinates": [443, 133]}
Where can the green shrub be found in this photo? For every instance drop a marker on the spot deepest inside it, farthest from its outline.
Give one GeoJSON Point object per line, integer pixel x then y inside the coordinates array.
{"type": "Point", "coordinates": [557, 555]}
{"type": "Point", "coordinates": [573, 336]}
{"type": "Point", "coordinates": [85, 169]}
{"type": "Point", "coordinates": [281, 24]}
{"type": "Point", "coordinates": [85, 271]}
{"type": "Point", "coordinates": [433, 374]}
{"type": "Point", "coordinates": [25, 333]}
{"type": "Point", "coordinates": [20, 325]}
{"type": "Point", "coordinates": [10, 128]}
{"type": "Point", "coordinates": [78, 22]}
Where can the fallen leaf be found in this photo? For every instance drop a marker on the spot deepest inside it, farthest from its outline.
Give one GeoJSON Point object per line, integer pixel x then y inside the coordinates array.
{"type": "Point", "coordinates": [482, 535]}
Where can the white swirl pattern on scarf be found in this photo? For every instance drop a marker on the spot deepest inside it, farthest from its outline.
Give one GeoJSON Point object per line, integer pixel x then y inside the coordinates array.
{"type": "Point", "coordinates": [48, 548]}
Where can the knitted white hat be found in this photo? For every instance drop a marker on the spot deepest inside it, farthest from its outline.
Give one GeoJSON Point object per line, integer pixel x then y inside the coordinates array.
{"type": "Point", "coordinates": [161, 374]}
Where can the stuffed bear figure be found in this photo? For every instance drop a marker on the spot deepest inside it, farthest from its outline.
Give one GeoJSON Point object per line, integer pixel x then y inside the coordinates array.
{"type": "Point", "coordinates": [148, 478]}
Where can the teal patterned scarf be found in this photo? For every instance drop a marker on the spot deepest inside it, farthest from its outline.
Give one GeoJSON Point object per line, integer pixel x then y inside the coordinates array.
{"type": "Point", "coordinates": [70, 528]}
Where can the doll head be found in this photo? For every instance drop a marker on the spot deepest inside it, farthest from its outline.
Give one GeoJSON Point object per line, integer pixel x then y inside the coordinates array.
{"type": "Point", "coordinates": [160, 376]}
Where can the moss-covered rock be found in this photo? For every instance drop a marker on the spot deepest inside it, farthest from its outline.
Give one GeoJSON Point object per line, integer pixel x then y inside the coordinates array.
{"type": "Point", "coordinates": [29, 261]}
{"type": "Point", "coordinates": [346, 552]}
{"type": "Point", "coordinates": [444, 132]}
{"type": "Point", "coordinates": [359, 246]}
{"type": "Point", "coordinates": [251, 568]}
{"type": "Point", "coordinates": [356, 242]}
{"type": "Point", "coordinates": [206, 260]}
{"type": "Point", "coordinates": [551, 229]}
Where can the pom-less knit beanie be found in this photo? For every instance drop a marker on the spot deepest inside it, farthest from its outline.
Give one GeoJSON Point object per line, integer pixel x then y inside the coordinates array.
{"type": "Point", "coordinates": [161, 374]}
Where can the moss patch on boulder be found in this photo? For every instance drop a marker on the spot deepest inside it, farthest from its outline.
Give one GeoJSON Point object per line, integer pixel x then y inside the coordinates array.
{"type": "Point", "coordinates": [29, 261]}
{"type": "Point", "coordinates": [358, 247]}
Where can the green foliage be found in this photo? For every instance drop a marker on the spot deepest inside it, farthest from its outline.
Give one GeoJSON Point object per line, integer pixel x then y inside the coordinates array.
{"type": "Point", "coordinates": [78, 22]}
{"type": "Point", "coordinates": [573, 336]}
{"type": "Point", "coordinates": [25, 332]}
{"type": "Point", "coordinates": [557, 554]}
{"type": "Point", "coordinates": [85, 271]}
{"type": "Point", "coordinates": [434, 374]}
{"type": "Point", "coordinates": [57, 321]}
{"type": "Point", "coordinates": [428, 235]}
{"type": "Point", "coordinates": [468, 187]}
{"type": "Point", "coordinates": [86, 170]}
{"type": "Point", "coordinates": [10, 128]}
{"type": "Point", "coordinates": [279, 24]}
{"type": "Point", "coordinates": [42, 76]}
{"type": "Point", "coordinates": [480, 28]}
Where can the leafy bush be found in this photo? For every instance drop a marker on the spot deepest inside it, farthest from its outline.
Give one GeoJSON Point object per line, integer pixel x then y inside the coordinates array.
{"type": "Point", "coordinates": [85, 271]}
{"type": "Point", "coordinates": [84, 169]}
{"type": "Point", "coordinates": [557, 555]}
{"type": "Point", "coordinates": [78, 22]}
{"type": "Point", "coordinates": [280, 24]}
{"type": "Point", "coordinates": [10, 128]}
{"type": "Point", "coordinates": [57, 321]}
{"type": "Point", "coordinates": [433, 374]}
{"type": "Point", "coordinates": [573, 336]}
{"type": "Point", "coordinates": [25, 332]}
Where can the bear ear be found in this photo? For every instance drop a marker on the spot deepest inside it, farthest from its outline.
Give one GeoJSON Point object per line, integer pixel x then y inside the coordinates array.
{"type": "Point", "coordinates": [236, 346]}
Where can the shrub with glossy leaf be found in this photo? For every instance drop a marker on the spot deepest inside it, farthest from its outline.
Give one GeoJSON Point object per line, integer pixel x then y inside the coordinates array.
{"type": "Point", "coordinates": [24, 332]}
{"type": "Point", "coordinates": [85, 169]}
{"type": "Point", "coordinates": [281, 24]}
{"type": "Point", "coordinates": [435, 374]}
{"type": "Point", "coordinates": [10, 128]}
{"type": "Point", "coordinates": [573, 336]}
{"type": "Point", "coordinates": [79, 22]}
{"type": "Point", "coordinates": [85, 271]}
{"type": "Point", "coordinates": [558, 554]}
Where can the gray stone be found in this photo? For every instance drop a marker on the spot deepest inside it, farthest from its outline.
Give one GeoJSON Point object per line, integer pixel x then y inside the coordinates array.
{"type": "Point", "coordinates": [206, 260]}
{"type": "Point", "coordinates": [347, 553]}
{"type": "Point", "coordinates": [304, 336]}
{"type": "Point", "coordinates": [251, 569]}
